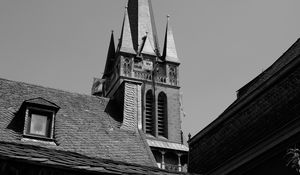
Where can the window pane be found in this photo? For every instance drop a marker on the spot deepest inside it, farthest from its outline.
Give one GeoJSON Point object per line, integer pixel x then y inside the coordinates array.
{"type": "Point", "coordinates": [38, 124]}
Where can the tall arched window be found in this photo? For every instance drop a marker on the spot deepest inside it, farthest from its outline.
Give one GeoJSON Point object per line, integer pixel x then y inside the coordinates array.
{"type": "Point", "coordinates": [149, 128]}
{"type": "Point", "coordinates": [162, 115]}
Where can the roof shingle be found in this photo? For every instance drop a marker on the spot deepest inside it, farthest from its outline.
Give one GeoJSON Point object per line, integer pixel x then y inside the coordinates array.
{"type": "Point", "coordinates": [81, 124]}
{"type": "Point", "coordinates": [72, 161]}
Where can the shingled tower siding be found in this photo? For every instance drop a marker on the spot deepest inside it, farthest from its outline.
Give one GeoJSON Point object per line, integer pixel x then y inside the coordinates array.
{"type": "Point", "coordinates": [132, 106]}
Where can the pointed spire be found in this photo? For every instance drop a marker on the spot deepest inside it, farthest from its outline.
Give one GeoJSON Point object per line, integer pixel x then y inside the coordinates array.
{"type": "Point", "coordinates": [125, 43]}
{"type": "Point", "coordinates": [111, 49]}
{"type": "Point", "coordinates": [110, 55]}
{"type": "Point", "coordinates": [142, 21]}
{"type": "Point", "coordinates": [169, 52]}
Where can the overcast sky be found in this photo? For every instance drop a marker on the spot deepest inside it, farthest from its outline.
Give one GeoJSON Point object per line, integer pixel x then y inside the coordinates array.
{"type": "Point", "coordinates": [222, 45]}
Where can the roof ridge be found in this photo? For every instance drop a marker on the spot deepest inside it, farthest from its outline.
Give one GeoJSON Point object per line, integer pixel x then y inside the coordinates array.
{"type": "Point", "coordinates": [220, 118]}
{"type": "Point", "coordinates": [51, 88]}
{"type": "Point", "coordinates": [283, 56]}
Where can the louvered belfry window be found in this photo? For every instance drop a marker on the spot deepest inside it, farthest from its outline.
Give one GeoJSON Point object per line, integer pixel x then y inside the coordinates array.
{"type": "Point", "coordinates": [149, 113]}
{"type": "Point", "coordinates": [162, 114]}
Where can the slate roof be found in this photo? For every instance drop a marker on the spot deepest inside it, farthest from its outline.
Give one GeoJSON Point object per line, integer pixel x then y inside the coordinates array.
{"type": "Point", "coordinates": [81, 124]}
{"type": "Point", "coordinates": [285, 59]}
{"type": "Point", "coordinates": [288, 58]}
{"type": "Point", "coordinates": [72, 161]}
{"type": "Point", "coordinates": [265, 105]}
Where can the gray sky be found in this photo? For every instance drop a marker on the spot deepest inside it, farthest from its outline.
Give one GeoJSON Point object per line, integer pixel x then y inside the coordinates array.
{"type": "Point", "coordinates": [222, 44]}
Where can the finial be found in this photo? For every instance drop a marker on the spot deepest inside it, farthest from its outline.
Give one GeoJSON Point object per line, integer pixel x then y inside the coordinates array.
{"type": "Point", "coordinates": [147, 33]}
{"type": "Point", "coordinates": [126, 4]}
{"type": "Point", "coordinates": [189, 136]}
{"type": "Point", "coordinates": [168, 18]}
{"type": "Point", "coordinates": [112, 31]}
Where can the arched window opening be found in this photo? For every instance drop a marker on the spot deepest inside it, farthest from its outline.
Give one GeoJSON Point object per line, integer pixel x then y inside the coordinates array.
{"type": "Point", "coordinates": [149, 113]}
{"type": "Point", "coordinates": [162, 114]}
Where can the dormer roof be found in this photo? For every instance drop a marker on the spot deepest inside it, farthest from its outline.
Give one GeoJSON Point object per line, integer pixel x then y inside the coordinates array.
{"type": "Point", "coordinates": [41, 101]}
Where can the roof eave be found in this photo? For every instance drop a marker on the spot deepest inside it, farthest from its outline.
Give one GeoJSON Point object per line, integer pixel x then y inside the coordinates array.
{"type": "Point", "coordinates": [242, 101]}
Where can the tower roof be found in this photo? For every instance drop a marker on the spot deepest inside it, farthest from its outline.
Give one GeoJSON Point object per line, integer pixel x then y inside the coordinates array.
{"type": "Point", "coordinates": [169, 52]}
{"type": "Point", "coordinates": [146, 47]}
{"type": "Point", "coordinates": [110, 55]}
{"type": "Point", "coordinates": [142, 23]}
{"type": "Point", "coordinates": [125, 43]}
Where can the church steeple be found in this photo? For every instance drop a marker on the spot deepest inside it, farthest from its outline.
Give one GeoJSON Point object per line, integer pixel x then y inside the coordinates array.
{"type": "Point", "coordinates": [169, 52]}
{"type": "Point", "coordinates": [142, 83]}
{"type": "Point", "coordinates": [125, 43]}
{"type": "Point", "coordinates": [142, 23]}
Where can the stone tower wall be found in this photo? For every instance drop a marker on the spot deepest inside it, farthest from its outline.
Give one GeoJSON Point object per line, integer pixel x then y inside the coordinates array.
{"type": "Point", "coordinates": [173, 109]}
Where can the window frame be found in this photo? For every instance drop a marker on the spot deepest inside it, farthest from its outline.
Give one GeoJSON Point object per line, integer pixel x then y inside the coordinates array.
{"type": "Point", "coordinates": [50, 114]}
{"type": "Point", "coordinates": [162, 95]}
{"type": "Point", "coordinates": [149, 93]}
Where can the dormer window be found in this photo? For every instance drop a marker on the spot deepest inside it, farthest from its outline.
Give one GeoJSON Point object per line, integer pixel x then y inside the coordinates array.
{"type": "Point", "coordinates": [40, 123]}
{"type": "Point", "coordinates": [39, 119]}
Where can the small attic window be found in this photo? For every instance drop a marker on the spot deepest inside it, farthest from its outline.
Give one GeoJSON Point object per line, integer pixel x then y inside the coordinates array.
{"type": "Point", "coordinates": [39, 119]}
{"type": "Point", "coordinates": [40, 122]}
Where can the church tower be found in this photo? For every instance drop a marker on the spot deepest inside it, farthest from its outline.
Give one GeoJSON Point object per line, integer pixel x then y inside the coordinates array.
{"type": "Point", "coordinates": [143, 81]}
